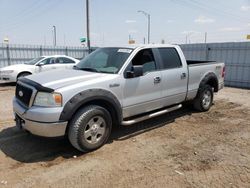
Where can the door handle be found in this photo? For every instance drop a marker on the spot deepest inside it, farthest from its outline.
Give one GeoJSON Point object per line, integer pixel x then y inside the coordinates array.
{"type": "Point", "coordinates": [157, 80]}
{"type": "Point", "coordinates": [183, 76]}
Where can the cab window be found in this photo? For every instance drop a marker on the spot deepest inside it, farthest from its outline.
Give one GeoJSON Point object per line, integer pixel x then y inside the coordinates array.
{"type": "Point", "coordinates": [47, 61]}
{"type": "Point", "coordinates": [145, 58]}
{"type": "Point", "coordinates": [170, 58]}
{"type": "Point", "coordinates": [64, 60]}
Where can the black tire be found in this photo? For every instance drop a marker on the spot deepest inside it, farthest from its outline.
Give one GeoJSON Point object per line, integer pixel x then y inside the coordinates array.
{"type": "Point", "coordinates": [85, 133]}
{"type": "Point", "coordinates": [204, 98]}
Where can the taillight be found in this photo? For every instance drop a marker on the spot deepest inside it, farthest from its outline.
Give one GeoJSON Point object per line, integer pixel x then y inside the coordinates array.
{"type": "Point", "coordinates": [223, 72]}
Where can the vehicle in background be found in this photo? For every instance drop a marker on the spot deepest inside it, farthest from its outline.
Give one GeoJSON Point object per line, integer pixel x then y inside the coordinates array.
{"type": "Point", "coordinates": [113, 86]}
{"type": "Point", "coordinates": [40, 64]}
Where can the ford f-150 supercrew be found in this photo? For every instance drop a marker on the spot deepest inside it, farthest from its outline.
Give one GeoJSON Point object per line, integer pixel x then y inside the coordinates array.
{"type": "Point", "coordinates": [113, 86]}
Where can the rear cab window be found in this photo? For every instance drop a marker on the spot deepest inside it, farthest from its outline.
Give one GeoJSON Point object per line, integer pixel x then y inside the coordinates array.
{"type": "Point", "coordinates": [170, 58]}
{"type": "Point", "coordinates": [64, 60]}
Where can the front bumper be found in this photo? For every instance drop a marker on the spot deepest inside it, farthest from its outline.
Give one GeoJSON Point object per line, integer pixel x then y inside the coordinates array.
{"type": "Point", "coordinates": [38, 127]}
{"type": "Point", "coordinates": [7, 78]}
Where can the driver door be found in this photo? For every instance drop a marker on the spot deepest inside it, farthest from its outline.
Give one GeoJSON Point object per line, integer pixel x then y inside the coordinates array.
{"type": "Point", "coordinates": [46, 65]}
{"type": "Point", "coordinates": [142, 94]}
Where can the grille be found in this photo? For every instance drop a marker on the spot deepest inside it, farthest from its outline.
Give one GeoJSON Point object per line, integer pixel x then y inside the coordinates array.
{"type": "Point", "coordinates": [23, 94]}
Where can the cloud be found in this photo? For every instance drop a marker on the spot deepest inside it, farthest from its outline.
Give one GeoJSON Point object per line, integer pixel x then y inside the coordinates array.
{"type": "Point", "coordinates": [245, 7]}
{"type": "Point", "coordinates": [248, 25]}
{"type": "Point", "coordinates": [130, 21]}
{"type": "Point", "coordinates": [230, 29]}
{"type": "Point", "coordinates": [203, 20]}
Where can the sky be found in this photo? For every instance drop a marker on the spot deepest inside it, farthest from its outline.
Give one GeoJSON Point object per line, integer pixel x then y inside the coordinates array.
{"type": "Point", "coordinates": [113, 21]}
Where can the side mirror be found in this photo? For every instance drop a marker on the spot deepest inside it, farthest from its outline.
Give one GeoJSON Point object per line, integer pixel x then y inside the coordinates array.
{"type": "Point", "coordinates": [40, 64]}
{"type": "Point", "coordinates": [136, 71]}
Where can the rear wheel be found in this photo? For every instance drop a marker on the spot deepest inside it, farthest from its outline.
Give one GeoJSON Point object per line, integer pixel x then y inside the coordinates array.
{"type": "Point", "coordinates": [90, 128]}
{"type": "Point", "coordinates": [204, 98]}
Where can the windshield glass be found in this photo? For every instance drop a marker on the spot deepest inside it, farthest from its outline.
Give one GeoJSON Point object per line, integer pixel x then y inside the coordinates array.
{"type": "Point", "coordinates": [34, 61]}
{"type": "Point", "coordinates": [105, 60]}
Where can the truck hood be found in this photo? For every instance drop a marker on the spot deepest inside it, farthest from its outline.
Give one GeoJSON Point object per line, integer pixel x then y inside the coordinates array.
{"type": "Point", "coordinates": [62, 78]}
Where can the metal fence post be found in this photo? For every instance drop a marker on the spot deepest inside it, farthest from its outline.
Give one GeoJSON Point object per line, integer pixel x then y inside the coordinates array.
{"type": "Point", "coordinates": [66, 50]}
{"type": "Point", "coordinates": [41, 50]}
{"type": "Point", "coordinates": [8, 53]}
{"type": "Point", "coordinates": [207, 51]}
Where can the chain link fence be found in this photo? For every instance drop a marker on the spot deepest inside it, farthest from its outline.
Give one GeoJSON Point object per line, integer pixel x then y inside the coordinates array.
{"type": "Point", "coordinates": [11, 54]}
{"type": "Point", "coordinates": [236, 56]}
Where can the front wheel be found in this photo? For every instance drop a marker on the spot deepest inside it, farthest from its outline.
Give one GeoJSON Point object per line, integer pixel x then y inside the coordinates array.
{"type": "Point", "coordinates": [204, 98]}
{"type": "Point", "coordinates": [90, 128]}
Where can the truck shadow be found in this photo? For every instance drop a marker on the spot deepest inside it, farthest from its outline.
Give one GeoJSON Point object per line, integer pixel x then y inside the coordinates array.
{"type": "Point", "coordinates": [7, 84]}
{"type": "Point", "coordinates": [26, 148]}
{"type": "Point", "coordinates": [126, 132]}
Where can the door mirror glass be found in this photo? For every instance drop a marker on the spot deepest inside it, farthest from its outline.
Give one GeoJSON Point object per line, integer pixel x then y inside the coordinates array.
{"type": "Point", "coordinates": [41, 64]}
{"type": "Point", "coordinates": [136, 71]}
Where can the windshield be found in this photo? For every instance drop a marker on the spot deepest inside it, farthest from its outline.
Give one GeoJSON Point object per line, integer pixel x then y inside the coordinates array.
{"type": "Point", "coordinates": [34, 61]}
{"type": "Point", "coordinates": [105, 60]}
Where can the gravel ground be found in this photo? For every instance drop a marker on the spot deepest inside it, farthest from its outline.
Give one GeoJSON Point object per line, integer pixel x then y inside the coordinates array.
{"type": "Point", "coordinates": [181, 149]}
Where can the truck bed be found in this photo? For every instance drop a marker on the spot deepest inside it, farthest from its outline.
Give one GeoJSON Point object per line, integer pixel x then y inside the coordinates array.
{"type": "Point", "coordinates": [197, 70]}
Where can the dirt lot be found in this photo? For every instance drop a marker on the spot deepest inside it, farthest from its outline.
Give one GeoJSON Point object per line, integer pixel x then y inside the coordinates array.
{"type": "Point", "coordinates": [181, 149]}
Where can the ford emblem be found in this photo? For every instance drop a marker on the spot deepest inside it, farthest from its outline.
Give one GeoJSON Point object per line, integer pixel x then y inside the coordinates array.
{"type": "Point", "coordinates": [20, 93]}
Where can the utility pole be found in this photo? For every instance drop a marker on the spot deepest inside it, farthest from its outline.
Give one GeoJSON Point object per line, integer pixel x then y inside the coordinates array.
{"type": "Point", "coordinates": [149, 28]}
{"type": "Point", "coordinates": [205, 37]}
{"type": "Point", "coordinates": [148, 17]}
{"type": "Point", "coordinates": [87, 23]}
{"type": "Point", "coordinates": [54, 31]}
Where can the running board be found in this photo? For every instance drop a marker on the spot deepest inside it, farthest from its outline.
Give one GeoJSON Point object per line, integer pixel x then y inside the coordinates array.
{"type": "Point", "coordinates": [136, 120]}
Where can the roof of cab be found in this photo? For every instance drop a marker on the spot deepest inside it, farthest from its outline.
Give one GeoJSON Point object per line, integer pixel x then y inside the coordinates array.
{"type": "Point", "coordinates": [133, 46]}
{"type": "Point", "coordinates": [54, 56]}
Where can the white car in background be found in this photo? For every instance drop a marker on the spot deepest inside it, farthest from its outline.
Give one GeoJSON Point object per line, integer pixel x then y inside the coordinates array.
{"type": "Point", "coordinates": [40, 64]}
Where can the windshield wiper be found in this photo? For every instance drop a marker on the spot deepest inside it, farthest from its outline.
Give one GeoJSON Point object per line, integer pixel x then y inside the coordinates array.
{"type": "Point", "coordinates": [86, 69]}
{"type": "Point", "coordinates": [106, 72]}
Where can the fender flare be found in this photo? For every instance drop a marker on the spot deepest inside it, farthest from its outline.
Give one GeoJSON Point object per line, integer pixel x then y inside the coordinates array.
{"type": "Point", "coordinates": [210, 79]}
{"type": "Point", "coordinates": [92, 96]}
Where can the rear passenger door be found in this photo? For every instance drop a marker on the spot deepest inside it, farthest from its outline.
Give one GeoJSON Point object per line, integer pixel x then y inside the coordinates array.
{"type": "Point", "coordinates": [174, 76]}
{"type": "Point", "coordinates": [65, 63]}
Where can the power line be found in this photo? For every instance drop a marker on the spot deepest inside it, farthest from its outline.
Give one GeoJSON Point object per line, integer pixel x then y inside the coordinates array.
{"type": "Point", "coordinates": [215, 9]}
{"type": "Point", "coordinates": [192, 4]}
{"type": "Point", "coordinates": [30, 15]}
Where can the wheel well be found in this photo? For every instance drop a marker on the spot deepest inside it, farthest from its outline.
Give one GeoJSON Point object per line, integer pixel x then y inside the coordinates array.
{"type": "Point", "coordinates": [23, 73]}
{"type": "Point", "coordinates": [211, 80]}
{"type": "Point", "coordinates": [213, 83]}
{"type": "Point", "coordinates": [105, 104]}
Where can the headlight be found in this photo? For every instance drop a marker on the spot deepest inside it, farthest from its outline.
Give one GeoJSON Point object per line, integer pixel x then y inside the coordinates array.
{"type": "Point", "coordinates": [48, 99]}
{"type": "Point", "coordinates": [6, 71]}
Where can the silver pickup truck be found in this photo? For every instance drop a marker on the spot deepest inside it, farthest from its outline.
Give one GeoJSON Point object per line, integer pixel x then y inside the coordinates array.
{"type": "Point", "coordinates": [113, 86]}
